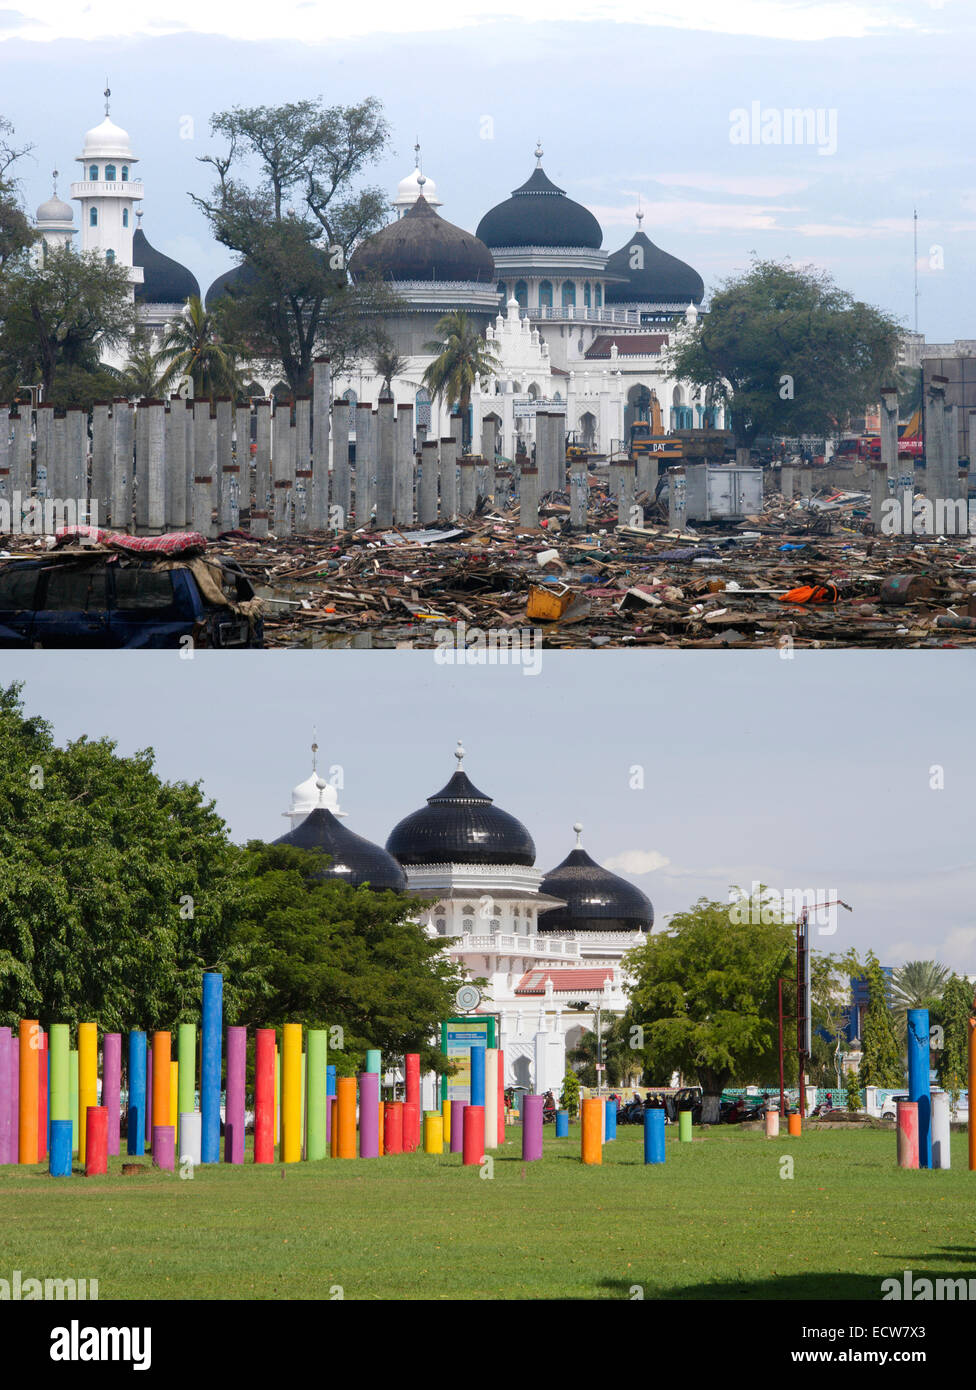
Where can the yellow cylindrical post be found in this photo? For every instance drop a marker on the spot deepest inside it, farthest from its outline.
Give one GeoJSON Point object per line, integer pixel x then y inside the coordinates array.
{"type": "Point", "coordinates": [446, 1120]}
{"type": "Point", "coordinates": [592, 1130]}
{"type": "Point", "coordinates": [291, 1093]}
{"type": "Point", "coordinates": [434, 1133]}
{"type": "Point", "coordinates": [174, 1093]}
{"type": "Point", "coordinates": [87, 1078]}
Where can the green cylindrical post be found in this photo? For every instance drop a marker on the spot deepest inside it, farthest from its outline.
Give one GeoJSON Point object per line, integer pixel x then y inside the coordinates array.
{"type": "Point", "coordinates": [59, 1099]}
{"type": "Point", "coordinates": [186, 1086]}
{"type": "Point", "coordinates": [73, 1098]}
{"type": "Point", "coordinates": [373, 1060]}
{"type": "Point", "coordinates": [684, 1126]}
{"type": "Point", "coordinates": [316, 1144]}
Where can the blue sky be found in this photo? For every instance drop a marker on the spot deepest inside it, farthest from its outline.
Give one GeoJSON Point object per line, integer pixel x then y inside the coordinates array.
{"type": "Point", "coordinates": [815, 772]}
{"type": "Point", "coordinates": [625, 108]}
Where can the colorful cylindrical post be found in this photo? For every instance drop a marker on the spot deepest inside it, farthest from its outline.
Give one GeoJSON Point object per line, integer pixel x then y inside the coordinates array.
{"type": "Point", "coordinates": [374, 1060]}
{"type": "Point", "coordinates": [411, 1100]}
{"type": "Point", "coordinates": [27, 1101]}
{"type": "Point", "coordinates": [330, 1085]}
{"type": "Point", "coordinates": [59, 1090]}
{"type": "Point", "coordinates": [381, 1127]}
{"type": "Point", "coordinates": [333, 1102]}
{"type": "Point", "coordinates": [186, 1051]}
{"type": "Point", "coordinates": [316, 1130]}
{"type": "Point", "coordinates": [591, 1129]}
{"type": "Point", "coordinates": [149, 1092]}
{"type": "Point", "coordinates": [234, 1105]}
{"type": "Point", "coordinates": [491, 1097]}
{"type": "Point", "coordinates": [941, 1157]}
{"type": "Point", "coordinates": [191, 1122]}
{"type": "Point", "coordinates": [174, 1093]}
{"type": "Point", "coordinates": [210, 1058]}
{"type": "Point", "coordinates": [684, 1126]}
{"type": "Point", "coordinates": [42, 1098]}
{"type": "Point", "coordinates": [393, 1127]}
{"type": "Point", "coordinates": [473, 1148]}
{"type": "Point", "coordinates": [907, 1133]}
{"type": "Point", "coordinates": [162, 1077]}
{"type": "Point", "coordinates": [264, 1078]}
{"type": "Point", "coordinates": [477, 1096]}
{"type": "Point", "coordinates": [919, 1085]}
{"type": "Point", "coordinates": [112, 1088]}
{"type": "Point", "coordinates": [346, 1089]}
{"type": "Point", "coordinates": [164, 1147]}
{"type": "Point", "coordinates": [434, 1132]}
{"type": "Point", "coordinates": [532, 1108]}
{"type": "Point", "coordinates": [73, 1097]}
{"type": "Point", "coordinates": [59, 1160]}
{"type": "Point", "coordinates": [562, 1124]}
{"type": "Point", "coordinates": [96, 1141]}
{"type": "Point", "coordinates": [653, 1136]}
{"type": "Point", "coordinates": [87, 1080]}
{"type": "Point", "coordinates": [135, 1125]}
{"type": "Point", "coordinates": [7, 1125]}
{"type": "Point", "coordinates": [457, 1126]}
{"type": "Point", "coordinates": [610, 1131]}
{"type": "Point", "coordinates": [794, 1124]}
{"type": "Point", "coordinates": [277, 1095]}
{"type": "Point", "coordinates": [501, 1096]}
{"type": "Point", "coordinates": [369, 1114]}
{"type": "Point", "coordinates": [446, 1123]}
{"type": "Point", "coordinates": [291, 1093]}
{"type": "Point", "coordinates": [772, 1124]}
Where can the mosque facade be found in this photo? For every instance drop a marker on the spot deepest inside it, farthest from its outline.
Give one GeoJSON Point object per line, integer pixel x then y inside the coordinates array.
{"type": "Point", "coordinates": [573, 328]}
{"type": "Point", "coordinates": [550, 946]}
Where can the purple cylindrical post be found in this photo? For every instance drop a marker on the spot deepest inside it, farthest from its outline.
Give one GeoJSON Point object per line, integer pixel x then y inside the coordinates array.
{"type": "Point", "coordinates": [234, 1113]}
{"type": "Point", "coordinates": [457, 1126]}
{"type": "Point", "coordinates": [532, 1126]}
{"type": "Point", "coordinates": [112, 1088]}
{"type": "Point", "coordinates": [369, 1114]}
{"type": "Point", "coordinates": [6, 1128]}
{"type": "Point", "coordinates": [149, 1091]}
{"type": "Point", "coordinates": [164, 1146]}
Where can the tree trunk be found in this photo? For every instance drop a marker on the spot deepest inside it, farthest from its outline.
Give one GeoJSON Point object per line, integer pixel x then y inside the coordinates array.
{"type": "Point", "coordinates": [711, 1107]}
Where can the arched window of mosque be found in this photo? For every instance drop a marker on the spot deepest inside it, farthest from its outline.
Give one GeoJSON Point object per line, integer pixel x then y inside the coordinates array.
{"type": "Point", "coordinates": [557, 397]}
{"type": "Point", "coordinates": [569, 294]}
{"type": "Point", "coordinates": [495, 924]}
{"type": "Point", "coordinates": [110, 255]}
{"type": "Point", "coordinates": [125, 217]}
{"type": "Point", "coordinates": [422, 407]}
{"type": "Point", "coordinates": [533, 390]}
{"type": "Point", "coordinates": [110, 172]}
{"type": "Point", "coordinates": [441, 925]}
{"type": "Point", "coordinates": [522, 293]}
{"type": "Point", "coordinates": [503, 289]}
{"type": "Point", "coordinates": [467, 909]}
{"type": "Point", "coordinates": [545, 294]}
{"type": "Point", "coordinates": [125, 173]}
{"type": "Point", "coordinates": [467, 925]}
{"type": "Point", "coordinates": [351, 397]}
{"type": "Point", "coordinates": [93, 217]}
{"type": "Point", "coordinates": [515, 911]}
{"type": "Point", "coordinates": [93, 173]}
{"type": "Point", "coordinates": [528, 912]}
{"type": "Point", "coordinates": [599, 296]}
{"type": "Point", "coordinates": [586, 295]}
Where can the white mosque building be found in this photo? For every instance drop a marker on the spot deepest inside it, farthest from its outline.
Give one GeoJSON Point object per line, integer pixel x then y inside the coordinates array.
{"type": "Point", "coordinates": [550, 945]}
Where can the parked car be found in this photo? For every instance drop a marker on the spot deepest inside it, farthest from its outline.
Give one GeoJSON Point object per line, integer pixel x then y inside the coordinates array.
{"type": "Point", "coordinates": [104, 599]}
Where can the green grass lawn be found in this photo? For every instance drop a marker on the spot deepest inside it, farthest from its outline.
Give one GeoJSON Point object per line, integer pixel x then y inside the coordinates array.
{"type": "Point", "coordinates": [717, 1221]}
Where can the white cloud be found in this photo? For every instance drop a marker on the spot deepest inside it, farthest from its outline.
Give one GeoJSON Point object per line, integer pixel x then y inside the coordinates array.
{"type": "Point", "coordinates": [637, 861]}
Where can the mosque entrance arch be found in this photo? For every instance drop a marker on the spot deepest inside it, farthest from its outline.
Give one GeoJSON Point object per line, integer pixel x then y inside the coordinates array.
{"type": "Point", "coordinates": [587, 429]}
{"type": "Point", "coordinates": [638, 407]}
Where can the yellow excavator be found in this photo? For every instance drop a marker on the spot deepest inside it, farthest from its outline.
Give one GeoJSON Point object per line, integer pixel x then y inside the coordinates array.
{"type": "Point", "coordinates": [648, 437]}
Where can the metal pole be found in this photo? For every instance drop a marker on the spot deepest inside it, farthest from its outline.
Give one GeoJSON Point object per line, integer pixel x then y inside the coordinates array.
{"type": "Point", "coordinates": [782, 1095]}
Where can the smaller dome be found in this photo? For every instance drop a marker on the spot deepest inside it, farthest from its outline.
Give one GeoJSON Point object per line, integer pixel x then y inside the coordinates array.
{"type": "Point", "coordinates": [648, 275]}
{"type": "Point", "coordinates": [164, 281]}
{"type": "Point", "coordinates": [410, 189]}
{"type": "Point", "coordinates": [539, 214]}
{"type": "Point", "coordinates": [422, 246]}
{"type": "Point", "coordinates": [595, 899]}
{"type": "Point", "coordinates": [313, 792]}
{"type": "Point", "coordinates": [55, 210]}
{"type": "Point", "coordinates": [107, 141]}
{"type": "Point", "coordinates": [354, 859]}
{"type": "Point", "coordinates": [233, 281]}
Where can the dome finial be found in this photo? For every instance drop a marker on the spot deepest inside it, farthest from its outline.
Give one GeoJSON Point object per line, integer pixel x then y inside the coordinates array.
{"type": "Point", "coordinates": [54, 176]}
{"type": "Point", "coordinates": [459, 754]}
{"type": "Point", "coordinates": [640, 213]}
{"type": "Point", "coordinates": [579, 835]}
{"type": "Point", "coordinates": [139, 218]}
{"type": "Point", "coordinates": [107, 94]}
{"type": "Point", "coordinates": [315, 749]}
{"type": "Point", "coordinates": [538, 153]}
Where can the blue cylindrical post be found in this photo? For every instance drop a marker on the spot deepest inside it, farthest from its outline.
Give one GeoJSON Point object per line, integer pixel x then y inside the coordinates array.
{"type": "Point", "coordinates": [919, 1085]}
{"type": "Point", "coordinates": [562, 1124]}
{"type": "Point", "coordinates": [477, 1076]}
{"type": "Point", "coordinates": [213, 1008]}
{"type": "Point", "coordinates": [59, 1153]}
{"type": "Point", "coordinates": [610, 1123]}
{"type": "Point", "coordinates": [330, 1089]}
{"type": "Point", "coordinates": [653, 1136]}
{"type": "Point", "coordinates": [135, 1125]}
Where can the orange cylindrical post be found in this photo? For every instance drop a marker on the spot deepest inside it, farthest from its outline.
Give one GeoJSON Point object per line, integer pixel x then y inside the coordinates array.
{"type": "Point", "coordinates": [333, 1103]}
{"type": "Point", "coordinates": [794, 1124]}
{"type": "Point", "coordinates": [346, 1096]}
{"type": "Point", "coordinates": [161, 1079]}
{"type": "Point", "coordinates": [972, 1093]}
{"type": "Point", "coordinates": [96, 1140]}
{"type": "Point", "coordinates": [29, 1034]}
{"type": "Point", "coordinates": [393, 1127]}
{"type": "Point", "coordinates": [380, 1133]}
{"type": "Point", "coordinates": [592, 1130]}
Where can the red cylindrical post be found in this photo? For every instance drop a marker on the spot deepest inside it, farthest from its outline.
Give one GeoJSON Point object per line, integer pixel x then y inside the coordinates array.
{"type": "Point", "coordinates": [474, 1134]}
{"type": "Point", "coordinates": [411, 1126]}
{"type": "Point", "coordinates": [393, 1127]}
{"type": "Point", "coordinates": [907, 1133]}
{"type": "Point", "coordinates": [264, 1087]}
{"type": "Point", "coordinates": [411, 1118]}
{"type": "Point", "coordinates": [96, 1140]}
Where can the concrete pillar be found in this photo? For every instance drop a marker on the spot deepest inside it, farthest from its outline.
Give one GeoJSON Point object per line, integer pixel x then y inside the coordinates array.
{"type": "Point", "coordinates": [403, 466]}
{"type": "Point", "coordinates": [262, 456]}
{"type": "Point", "coordinates": [281, 491]}
{"type": "Point", "coordinates": [175, 465]}
{"type": "Point", "coordinates": [645, 475]}
{"type": "Point", "coordinates": [448, 479]}
{"type": "Point", "coordinates": [224, 426]}
{"type": "Point", "coordinates": [579, 493]}
{"type": "Point", "coordinates": [364, 423]}
{"type": "Point", "coordinates": [469, 486]}
{"type": "Point", "coordinates": [204, 463]}
{"type": "Point", "coordinates": [20, 453]}
{"type": "Point", "coordinates": [806, 482]}
{"type": "Point", "coordinates": [203, 504]}
{"type": "Point", "coordinates": [77, 452]}
{"type": "Point", "coordinates": [952, 451]}
{"type": "Point", "coordinates": [282, 468]}
{"type": "Point", "coordinates": [677, 501]}
{"type": "Point", "coordinates": [529, 497]}
{"type": "Point", "coordinates": [154, 477]}
{"type": "Point", "coordinates": [101, 454]}
{"type": "Point", "coordinates": [5, 492]}
{"type": "Point", "coordinates": [190, 441]}
{"type": "Point", "coordinates": [878, 485]}
{"type": "Point", "coordinates": [541, 426]}
{"type": "Point", "coordinates": [935, 422]}
{"type": "Point", "coordinates": [501, 485]}
{"type": "Point", "coordinates": [889, 436]}
{"type": "Point", "coordinates": [44, 428]}
{"type": "Point", "coordinates": [786, 481]}
{"type": "Point", "coordinates": [971, 441]}
{"type": "Point", "coordinates": [626, 474]}
{"type": "Point", "coordinates": [139, 488]}
{"type": "Point", "coordinates": [318, 507]}
{"type": "Point", "coordinates": [488, 438]}
{"type": "Point", "coordinates": [384, 462]}
{"type": "Point", "coordinates": [456, 431]}
{"type": "Point", "coordinates": [242, 457]}
{"type": "Point", "coordinates": [122, 430]}
{"type": "Point", "coordinates": [427, 486]}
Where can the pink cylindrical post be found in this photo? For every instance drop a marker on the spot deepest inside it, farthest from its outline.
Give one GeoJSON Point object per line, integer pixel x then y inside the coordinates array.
{"type": "Point", "coordinates": [112, 1089]}
{"type": "Point", "coordinates": [15, 1097]}
{"type": "Point", "coordinates": [474, 1134]}
{"type": "Point", "coordinates": [149, 1091]}
{"type": "Point", "coordinates": [907, 1133]}
{"type": "Point", "coordinates": [532, 1126]}
{"type": "Point", "coordinates": [164, 1146]}
{"type": "Point", "coordinates": [6, 1124]}
{"type": "Point", "coordinates": [234, 1112]}
{"type": "Point", "coordinates": [411, 1117]}
{"type": "Point", "coordinates": [96, 1140]}
{"type": "Point", "coordinates": [457, 1126]}
{"type": "Point", "coordinates": [264, 1083]}
{"type": "Point", "coordinates": [501, 1096]}
{"type": "Point", "coordinates": [369, 1114]}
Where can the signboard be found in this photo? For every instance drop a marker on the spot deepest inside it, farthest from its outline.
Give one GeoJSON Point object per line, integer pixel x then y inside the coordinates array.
{"type": "Point", "coordinates": [458, 1035]}
{"type": "Point", "coordinates": [527, 408]}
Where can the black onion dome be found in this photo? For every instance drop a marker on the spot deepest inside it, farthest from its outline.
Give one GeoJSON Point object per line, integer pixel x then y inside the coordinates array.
{"type": "Point", "coordinates": [164, 281]}
{"type": "Point", "coordinates": [661, 279]}
{"type": "Point", "coordinates": [354, 859]}
{"type": "Point", "coordinates": [460, 825]}
{"type": "Point", "coordinates": [596, 899]}
{"type": "Point", "coordinates": [420, 245]}
{"type": "Point", "coordinates": [241, 277]}
{"type": "Point", "coordinates": [540, 214]}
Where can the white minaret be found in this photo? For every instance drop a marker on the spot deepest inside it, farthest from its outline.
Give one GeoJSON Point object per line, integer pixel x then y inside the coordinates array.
{"type": "Point", "coordinates": [55, 220]}
{"type": "Point", "coordinates": [410, 188]}
{"type": "Point", "coordinates": [309, 795]}
{"type": "Point", "coordinates": [108, 193]}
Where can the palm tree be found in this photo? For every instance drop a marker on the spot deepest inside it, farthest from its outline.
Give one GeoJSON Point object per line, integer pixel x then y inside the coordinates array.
{"type": "Point", "coordinates": [144, 374]}
{"type": "Point", "coordinates": [918, 984]}
{"type": "Point", "coordinates": [388, 365]}
{"type": "Point", "coordinates": [463, 357]}
{"type": "Point", "coordinates": [193, 350]}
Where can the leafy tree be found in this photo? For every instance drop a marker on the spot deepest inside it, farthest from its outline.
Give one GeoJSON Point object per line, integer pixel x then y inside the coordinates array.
{"type": "Point", "coordinates": [705, 992]}
{"type": "Point", "coordinates": [952, 1060]}
{"type": "Point", "coordinates": [193, 350]}
{"type": "Point", "coordinates": [569, 1096]}
{"type": "Point", "coordinates": [463, 356]}
{"type": "Point", "coordinates": [16, 232]}
{"type": "Point", "coordinates": [388, 364]}
{"type": "Point", "coordinates": [333, 955]}
{"type": "Point", "coordinates": [295, 227]}
{"type": "Point", "coordinates": [57, 318]}
{"type": "Point", "coordinates": [145, 374]}
{"type": "Point", "coordinates": [854, 1100]}
{"type": "Point", "coordinates": [882, 1063]}
{"type": "Point", "coordinates": [788, 351]}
